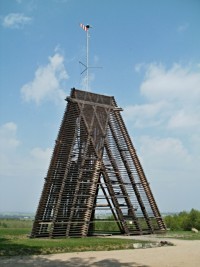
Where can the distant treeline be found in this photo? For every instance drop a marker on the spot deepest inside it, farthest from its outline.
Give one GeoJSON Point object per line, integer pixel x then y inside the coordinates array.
{"type": "Point", "coordinates": [13, 215]}
{"type": "Point", "coordinates": [183, 220]}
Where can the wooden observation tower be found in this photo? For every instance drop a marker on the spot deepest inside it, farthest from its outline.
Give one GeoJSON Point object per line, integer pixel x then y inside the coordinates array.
{"type": "Point", "coordinates": [95, 170]}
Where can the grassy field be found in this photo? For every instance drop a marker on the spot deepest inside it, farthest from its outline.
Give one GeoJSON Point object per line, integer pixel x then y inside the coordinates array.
{"type": "Point", "coordinates": [185, 235]}
{"type": "Point", "coordinates": [14, 240]}
{"type": "Point", "coordinates": [15, 223]}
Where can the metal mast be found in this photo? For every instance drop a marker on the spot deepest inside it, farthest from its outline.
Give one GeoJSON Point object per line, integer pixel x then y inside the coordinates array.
{"type": "Point", "coordinates": [86, 28]}
{"type": "Point", "coordinates": [87, 59]}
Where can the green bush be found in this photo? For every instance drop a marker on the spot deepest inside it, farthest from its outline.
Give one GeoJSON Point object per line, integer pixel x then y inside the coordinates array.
{"type": "Point", "coordinates": [184, 220]}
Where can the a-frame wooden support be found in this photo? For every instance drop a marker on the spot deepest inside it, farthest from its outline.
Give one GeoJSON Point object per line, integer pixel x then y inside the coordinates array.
{"type": "Point", "coordinates": [93, 161]}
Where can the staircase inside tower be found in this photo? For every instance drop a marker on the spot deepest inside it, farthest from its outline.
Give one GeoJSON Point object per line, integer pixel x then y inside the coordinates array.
{"type": "Point", "coordinates": [95, 183]}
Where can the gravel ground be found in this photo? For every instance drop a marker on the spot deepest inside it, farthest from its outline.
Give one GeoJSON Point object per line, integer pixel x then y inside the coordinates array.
{"type": "Point", "coordinates": [182, 254]}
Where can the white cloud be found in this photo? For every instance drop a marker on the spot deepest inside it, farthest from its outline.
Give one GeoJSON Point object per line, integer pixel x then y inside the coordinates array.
{"type": "Point", "coordinates": [169, 116]}
{"type": "Point", "coordinates": [48, 82]}
{"type": "Point", "coordinates": [16, 20]}
{"type": "Point", "coordinates": [183, 119]}
{"type": "Point", "coordinates": [172, 170]}
{"type": "Point", "coordinates": [13, 162]}
{"type": "Point", "coordinates": [145, 115]}
{"type": "Point", "coordinates": [20, 175]}
{"type": "Point", "coordinates": [160, 153]}
{"type": "Point", "coordinates": [175, 84]}
{"type": "Point", "coordinates": [172, 98]}
{"type": "Point", "coordinates": [8, 139]}
{"type": "Point", "coordinates": [41, 154]}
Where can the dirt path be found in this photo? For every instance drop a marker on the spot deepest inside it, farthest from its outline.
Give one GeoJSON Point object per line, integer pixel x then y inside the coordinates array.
{"type": "Point", "coordinates": [183, 254]}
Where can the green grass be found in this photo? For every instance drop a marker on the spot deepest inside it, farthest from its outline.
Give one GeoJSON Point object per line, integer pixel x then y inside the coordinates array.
{"type": "Point", "coordinates": [185, 235]}
{"type": "Point", "coordinates": [15, 223]}
{"type": "Point", "coordinates": [16, 242]}
{"type": "Point", "coordinates": [106, 226]}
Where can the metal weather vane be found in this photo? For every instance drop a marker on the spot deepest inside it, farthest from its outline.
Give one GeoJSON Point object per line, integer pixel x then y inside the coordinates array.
{"type": "Point", "coordinates": [86, 29]}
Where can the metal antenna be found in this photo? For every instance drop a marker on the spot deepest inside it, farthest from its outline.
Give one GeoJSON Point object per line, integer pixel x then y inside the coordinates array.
{"type": "Point", "coordinates": [87, 58]}
{"type": "Point", "coordinates": [86, 28]}
{"type": "Point", "coordinates": [87, 67]}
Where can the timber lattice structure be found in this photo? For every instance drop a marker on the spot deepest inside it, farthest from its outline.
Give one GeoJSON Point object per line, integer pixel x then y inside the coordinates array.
{"type": "Point", "coordinates": [95, 168]}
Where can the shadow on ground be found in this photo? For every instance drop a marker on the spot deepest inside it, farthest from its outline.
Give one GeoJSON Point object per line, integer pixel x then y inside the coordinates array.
{"type": "Point", "coordinates": [40, 261]}
{"type": "Point", "coordinates": [16, 258]}
{"type": "Point", "coordinates": [8, 248]}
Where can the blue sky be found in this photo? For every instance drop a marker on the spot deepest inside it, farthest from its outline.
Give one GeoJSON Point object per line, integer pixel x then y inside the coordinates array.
{"type": "Point", "coordinates": [150, 58]}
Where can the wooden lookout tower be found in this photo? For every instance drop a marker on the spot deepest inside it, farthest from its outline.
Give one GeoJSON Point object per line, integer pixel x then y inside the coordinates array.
{"type": "Point", "coordinates": [94, 170]}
